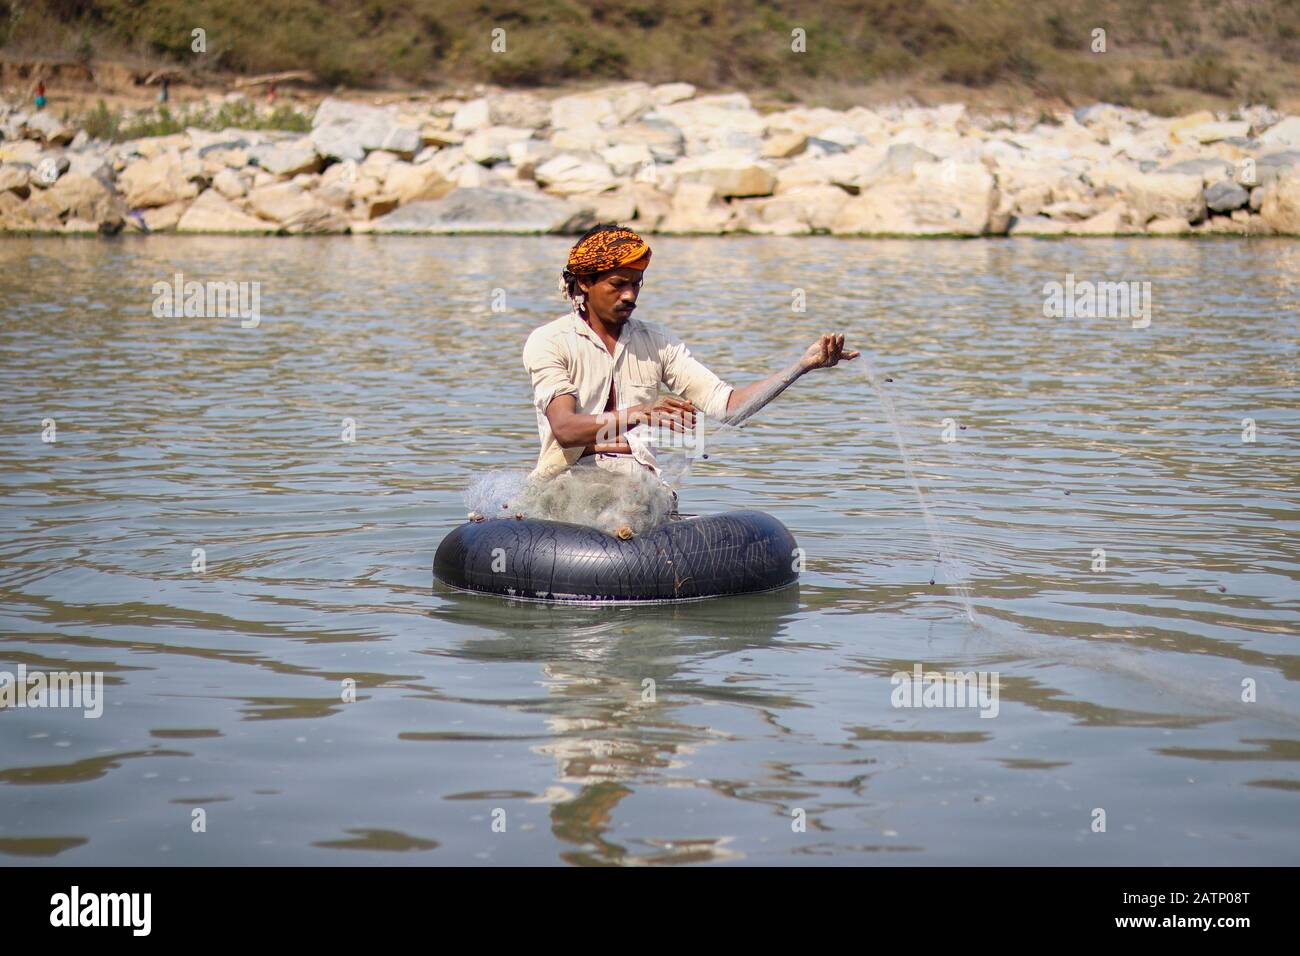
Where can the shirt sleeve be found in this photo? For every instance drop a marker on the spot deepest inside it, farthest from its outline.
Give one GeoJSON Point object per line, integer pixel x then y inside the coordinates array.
{"type": "Point", "coordinates": [549, 367]}
{"type": "Point", "coordinates": [691, 379]}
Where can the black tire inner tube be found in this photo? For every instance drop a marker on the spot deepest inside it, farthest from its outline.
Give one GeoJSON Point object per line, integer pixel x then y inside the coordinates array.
{"type": "Point", "coordinates": [736, 552]}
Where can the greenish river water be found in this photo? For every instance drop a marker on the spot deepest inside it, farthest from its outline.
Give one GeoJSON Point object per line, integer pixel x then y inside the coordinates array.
{"type": "Point", "coordinates": [1161, 690]}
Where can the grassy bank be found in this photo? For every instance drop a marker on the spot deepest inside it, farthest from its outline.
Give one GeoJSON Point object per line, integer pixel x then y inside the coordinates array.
{"type": "Point", "coordinates": [116, 126]}
{"type": "Point", "coordinates": [1163, 55]}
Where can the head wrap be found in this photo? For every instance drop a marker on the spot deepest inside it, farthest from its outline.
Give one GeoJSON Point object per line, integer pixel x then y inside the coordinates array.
{"type": "Point", "coordinates": [609, 249]}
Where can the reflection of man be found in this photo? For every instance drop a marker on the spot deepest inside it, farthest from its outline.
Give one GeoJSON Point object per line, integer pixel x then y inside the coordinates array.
{"type": "Point", "coordinates": [596, 371]}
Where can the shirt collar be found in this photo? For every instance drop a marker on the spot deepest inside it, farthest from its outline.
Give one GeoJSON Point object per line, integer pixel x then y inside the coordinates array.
{"type": "Point", "coordinates": [582, 328]}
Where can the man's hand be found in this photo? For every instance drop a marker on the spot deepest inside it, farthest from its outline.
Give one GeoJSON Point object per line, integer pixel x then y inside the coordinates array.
{"type": "Point", "coordinates": [677, 413]}
{"type": "Point", "coordinates": [826, 352]}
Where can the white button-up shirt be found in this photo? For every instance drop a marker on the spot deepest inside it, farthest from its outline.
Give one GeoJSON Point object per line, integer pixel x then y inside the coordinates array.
{"type": "Point", "coordinates": [565, 357]}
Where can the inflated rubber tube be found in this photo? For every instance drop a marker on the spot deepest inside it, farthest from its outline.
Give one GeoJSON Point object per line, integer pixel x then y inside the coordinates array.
{"type": "Point", "coordinates": [682, 560]}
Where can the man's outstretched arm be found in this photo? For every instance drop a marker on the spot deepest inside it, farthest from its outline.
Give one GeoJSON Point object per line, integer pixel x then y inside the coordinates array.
{"type": "Point", "coordinates": [826, 352]}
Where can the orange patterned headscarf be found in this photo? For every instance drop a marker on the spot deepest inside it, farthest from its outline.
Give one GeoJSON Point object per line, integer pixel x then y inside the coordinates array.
{"type": "Point", "coordinates": [609, 249]}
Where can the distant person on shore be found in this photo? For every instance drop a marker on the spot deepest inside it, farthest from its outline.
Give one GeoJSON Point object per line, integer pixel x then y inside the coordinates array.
{"type": "Point", "coordinates": [596, 371]}
{"type": "Point", "coordinates": [163, 90]}
{"type": "Point", "coordinates": [40, 95]}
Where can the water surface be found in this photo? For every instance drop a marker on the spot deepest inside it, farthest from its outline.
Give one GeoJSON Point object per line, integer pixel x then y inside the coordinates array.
{"type": "Point", "coordinates": [1120, 690]}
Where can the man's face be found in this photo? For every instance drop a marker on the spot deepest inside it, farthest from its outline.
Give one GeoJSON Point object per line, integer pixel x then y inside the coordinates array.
{"type": "Point", "coordinates": [611, 297]}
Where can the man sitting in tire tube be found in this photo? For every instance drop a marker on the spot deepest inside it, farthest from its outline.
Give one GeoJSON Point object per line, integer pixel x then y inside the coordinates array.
{"type": "Point", "coordinates": [597, 371]}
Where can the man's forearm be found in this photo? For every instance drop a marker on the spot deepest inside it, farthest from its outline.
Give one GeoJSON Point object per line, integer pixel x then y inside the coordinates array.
{"type": "Point", "coordinates": [747, 401]}
{"type": "Point", "coordinates": [582, 430]}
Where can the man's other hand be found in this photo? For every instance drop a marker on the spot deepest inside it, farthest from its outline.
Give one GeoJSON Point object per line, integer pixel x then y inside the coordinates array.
{"type": "Point", "coordinates": [677, 413]}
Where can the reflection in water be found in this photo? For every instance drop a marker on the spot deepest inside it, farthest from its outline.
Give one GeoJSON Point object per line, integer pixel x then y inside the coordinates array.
{"type": "Point", "coordinates": [39, 846]}
{"type": "Point", "coordinates": [387, 840]}
{"type": "Point", "coordinates": [612, 690]}
{"type": "Point", "coordinates": [256, 590]}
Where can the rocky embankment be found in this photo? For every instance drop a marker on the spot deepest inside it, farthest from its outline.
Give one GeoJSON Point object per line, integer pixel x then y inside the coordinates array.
{"type": "Point", "coordinates": [665, 160]}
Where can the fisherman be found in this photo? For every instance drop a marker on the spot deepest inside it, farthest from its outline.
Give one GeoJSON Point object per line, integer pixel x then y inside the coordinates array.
{"type": "Point", "coordinates": [597, 371]}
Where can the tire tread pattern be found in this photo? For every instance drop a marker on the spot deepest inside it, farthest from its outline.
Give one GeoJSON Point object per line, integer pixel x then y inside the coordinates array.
{"type": "Point", "coordinates": [733, 553]}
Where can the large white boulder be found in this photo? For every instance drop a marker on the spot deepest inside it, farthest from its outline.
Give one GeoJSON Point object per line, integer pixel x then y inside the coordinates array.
{"type": "Point", "coordinates": [940, 199]}
{"type": "Point", "coordinates": [293, 210]}
{"type": "Point", "coordinates": [287, 159]}
{"type": "Point", "coordinates": [1281, 204]}
{"type": "Point", "coordinates": [729, 172]}
{"type": "Point", "coordinates": [1167, 196]}
{"type": "Point", "coordinates": [1284, 133]}
{"type": "Point", "coordinates": [343, 130]}
{"type": "Point", "coordinates": [490, 211]}
{"type": "Point", "coordinates": [164, 179]}
{"type": "Point", "coordinates": [567, 174]}
{"type": "Point", "coordinates": [212, 212]}
{"type": "Point", "coordinates": [492, 143]}
{"type": "Point", "coordinates": [409, 183]}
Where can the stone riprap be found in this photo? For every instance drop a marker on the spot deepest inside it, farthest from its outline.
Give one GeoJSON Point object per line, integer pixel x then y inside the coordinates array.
{"type": "Point", "coordinates": [666, 160]}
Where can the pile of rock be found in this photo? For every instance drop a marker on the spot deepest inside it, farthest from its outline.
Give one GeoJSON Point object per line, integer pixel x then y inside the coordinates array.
{"type": "Point", "coordinates": [663, 159]}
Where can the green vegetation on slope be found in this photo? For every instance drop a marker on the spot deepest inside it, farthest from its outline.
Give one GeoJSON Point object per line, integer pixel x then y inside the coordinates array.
{"type": "Point", "coordinates": [116, 126]}
{"type": "Point", "coordinates": [1243, 49]}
